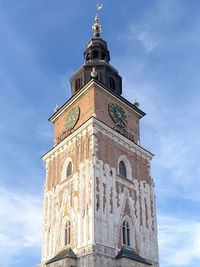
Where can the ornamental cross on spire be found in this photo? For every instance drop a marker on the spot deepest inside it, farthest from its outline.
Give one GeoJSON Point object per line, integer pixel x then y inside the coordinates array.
{"type": "Point", "coordinates": [96, 28]}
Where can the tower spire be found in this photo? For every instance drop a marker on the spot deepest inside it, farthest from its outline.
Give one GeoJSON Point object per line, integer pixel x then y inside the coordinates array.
{"type": "Point", "coordinates": [96, 28]}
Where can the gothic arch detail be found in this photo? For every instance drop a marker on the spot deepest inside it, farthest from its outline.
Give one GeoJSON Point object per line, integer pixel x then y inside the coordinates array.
{"type": "Point", "coordinates": [66, 232]}
{"type": "Point", "coordinates": [123, 162]}
{"type": "Point", "coordinates": [67, 169]}
{"type": "Point", "coordinates": [127, 232]}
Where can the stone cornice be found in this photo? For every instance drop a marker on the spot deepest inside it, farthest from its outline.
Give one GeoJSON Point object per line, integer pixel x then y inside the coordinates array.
{"type": "Point", "coordinates": [70, 102]}
{"type": "Point", "coordinates": [95, 125]}
{"type": "Point", "coordinates": [104, 129]}
{"type": "Point", "coordinates": [87, 126]}
{"type": "Point", "coordinates": [82, 91]}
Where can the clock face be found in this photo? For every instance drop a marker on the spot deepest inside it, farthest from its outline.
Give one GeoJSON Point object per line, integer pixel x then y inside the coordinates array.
{"type": "Point", "coordinates": [72, 118]}
{"type": "Point", "coordinates": [118, 114]}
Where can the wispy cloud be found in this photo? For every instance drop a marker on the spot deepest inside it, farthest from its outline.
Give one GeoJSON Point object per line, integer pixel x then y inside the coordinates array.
{"type": "Point", "coordinates": [159, 27]}
{"type": "Point", "coordinates": [143, 35]}
{"type": "Point", "coordinates": [169, 128]}
{"type": "Point", "coordinates": [179, 241]}
{"type": "Point", "coordinates": [20, 224]}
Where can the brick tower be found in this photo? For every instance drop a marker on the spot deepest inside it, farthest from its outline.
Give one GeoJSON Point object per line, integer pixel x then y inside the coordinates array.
{"type": "Point", "coordinates": [99, 203]}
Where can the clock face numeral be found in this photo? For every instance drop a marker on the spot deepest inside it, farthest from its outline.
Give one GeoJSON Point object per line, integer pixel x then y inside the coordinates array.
{"type": "Point", "coordinates": [118, 114]}
{"type": "Point", "coordinates": [72, 118]}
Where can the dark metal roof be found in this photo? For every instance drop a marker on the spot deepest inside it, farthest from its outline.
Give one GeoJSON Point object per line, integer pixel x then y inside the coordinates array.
{"type": "Point", "coordinates": [65, 253]}
{"type": "Point", "coordinates": [127, 253]}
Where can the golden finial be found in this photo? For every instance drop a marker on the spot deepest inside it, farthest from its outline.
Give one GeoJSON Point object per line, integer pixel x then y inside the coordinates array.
{"type": "Point", "coordinates": [96, 28]}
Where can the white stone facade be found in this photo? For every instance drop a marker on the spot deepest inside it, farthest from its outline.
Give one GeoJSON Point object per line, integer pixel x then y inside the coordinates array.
{"type": "Point", "coordinates": [96, 200]}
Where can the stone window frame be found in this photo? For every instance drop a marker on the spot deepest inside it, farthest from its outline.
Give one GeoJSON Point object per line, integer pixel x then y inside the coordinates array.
{"type": "Point", "coordinates": [67, 233]}
{"type": "Point", "coordinates": [64, 169]}
{"type": "Point", "coordinates": [131, 243]}
{"type": "Point", "coordinates": [69, 169]}
{"type": "Point", "coordinates": [122, 169]}
{"type": "Point", "coordinates": [66, 220]}
{"type": "Point", "coordinates": [126, 233]}
{"type": "Point", "coordinates": [127, 164]}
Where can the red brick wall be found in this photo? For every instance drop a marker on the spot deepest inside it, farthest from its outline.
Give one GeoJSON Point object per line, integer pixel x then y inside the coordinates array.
{"type": "Point", "coordinates": [109, 151]}
{"type": "Point", "coordinates": [102, 100]}
{"type": "Point", "coordinates": [86, 105]}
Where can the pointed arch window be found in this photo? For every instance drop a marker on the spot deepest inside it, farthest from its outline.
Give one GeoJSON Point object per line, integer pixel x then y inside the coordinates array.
{"type": "Point", "coordinates": [126, 233]}
{"type": "Point", "coordinates": [69, 169]}
{"type": "Point", "coordinates": [68, 233]}
{"type": "Point", "coordinates": [122, 169]}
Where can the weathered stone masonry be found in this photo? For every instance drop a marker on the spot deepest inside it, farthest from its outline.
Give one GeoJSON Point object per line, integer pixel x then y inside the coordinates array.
{"type": "Point", "coordinates": [96, 198]}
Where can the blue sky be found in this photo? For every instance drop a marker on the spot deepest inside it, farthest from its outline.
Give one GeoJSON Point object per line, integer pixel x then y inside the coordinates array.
{"type": "Point", "coordinates": [155, 47]}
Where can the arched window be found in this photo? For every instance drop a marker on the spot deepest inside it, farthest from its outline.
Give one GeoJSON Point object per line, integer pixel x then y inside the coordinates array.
{"type": "Point", "coordinates": [126, 233]}
{"type": "Point", "coordinates": [69, 169]}
{"type": "Point", "coordinates": [67, 233]}
{"type": "Point", "coordinates": [103, 56]}
{"type": "Point", "coordinates": [122, 169]}
{"type": "Point", "coordinates": [112, 83]}
{"type": "Point", "coordinates": [88, 57]}
{"type": "Point", "coordinates": [95, 54]}
{"type": "Point", "coordinates": [77, 84]}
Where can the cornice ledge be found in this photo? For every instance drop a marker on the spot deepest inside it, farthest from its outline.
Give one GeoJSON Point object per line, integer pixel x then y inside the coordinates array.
{"type": "Point", "coordinates": [61, 146]}
{"type": "Point", "coordinates": [84, 89]}
{"type": "Point", "coordinates": [103, 128]}
{"type": "Point", "coordinates": [71, 101]}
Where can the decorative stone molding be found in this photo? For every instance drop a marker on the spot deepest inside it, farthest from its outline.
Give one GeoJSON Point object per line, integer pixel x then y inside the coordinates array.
{"type": "Point", "coordinates": [127, 165]}
{"type": "Point", "coordinates": [64, 170]}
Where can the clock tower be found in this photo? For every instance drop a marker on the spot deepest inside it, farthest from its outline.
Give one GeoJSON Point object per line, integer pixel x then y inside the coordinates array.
{"type": "Point", "coordinates": [99, 204]}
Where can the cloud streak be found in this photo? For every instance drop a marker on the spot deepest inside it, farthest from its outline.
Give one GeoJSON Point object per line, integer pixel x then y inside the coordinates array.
{"type": "Point", "coordinates": [179, 241]}
{"type": "Point", "coordinates": [20, 224]}
{"type": "Point", "coordinates": [148, 40]}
